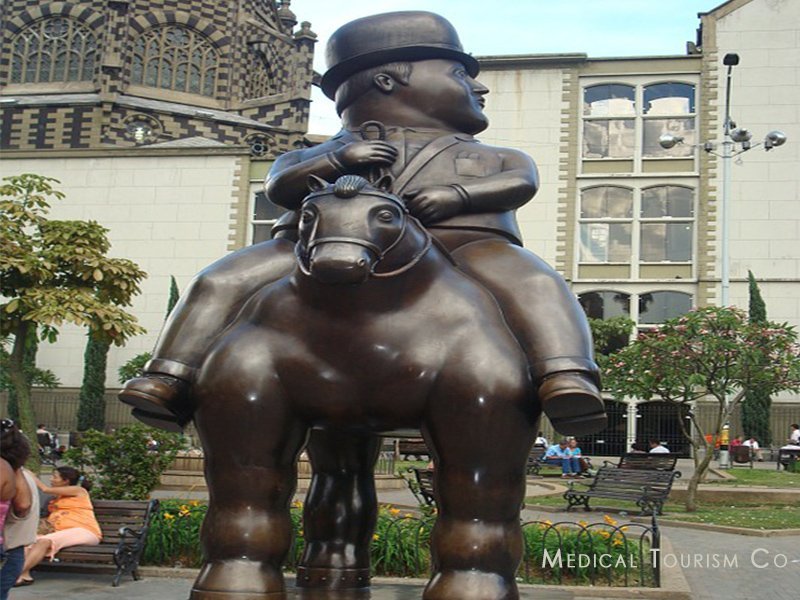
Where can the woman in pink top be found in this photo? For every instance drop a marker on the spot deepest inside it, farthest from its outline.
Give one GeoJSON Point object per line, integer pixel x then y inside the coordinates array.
{"type": "Point", "coordinates": [71, 515]}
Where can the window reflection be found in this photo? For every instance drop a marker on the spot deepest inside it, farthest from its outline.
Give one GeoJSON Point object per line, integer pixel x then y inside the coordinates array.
{"type": "Point", "coordinates": [671, 98]}
{"type": "Point", "coordinates": [609, 100]}
{"type": "Point", "coordinates": [605, 304]}
{"type": "Point", "coordinates": [657, 307]}
{"type": "Point", "coordinates": [609, 138]}
{"type": "Point", "coordinates": [666, 242]}
{"type": "Point", "coordinates": [605, 242]}
{"type": "Point", "coordinates": [265, 213]}
{"type": "Point", "coordinates": [668, 201]}
{"type": "Point", "coordinates": [607, 201]}
{"type": "Point", "coordinates": [679, 127]}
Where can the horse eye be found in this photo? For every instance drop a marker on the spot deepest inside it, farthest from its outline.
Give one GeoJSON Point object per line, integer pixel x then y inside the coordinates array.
{"type": "Point", "coordinates": [307, 216]}
{"type": "Point", "coordinates": [386, 216]}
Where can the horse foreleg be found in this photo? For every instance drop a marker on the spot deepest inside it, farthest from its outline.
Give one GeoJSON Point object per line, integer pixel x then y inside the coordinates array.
{"type": "Point", "coordinates": [477, 543]}
{"type": "Point", "coordinates": [340, 511]}
{"type": "Point", "coordinates": [251, 444]}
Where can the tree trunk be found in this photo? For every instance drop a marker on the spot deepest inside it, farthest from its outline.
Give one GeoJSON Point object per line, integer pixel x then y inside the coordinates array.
{"type": "Point", "coordinates": [698, 476]}
{"type": "Point", "coordinates": [22, 388]}
{"type": "Point", "coordinates": [92, 403]}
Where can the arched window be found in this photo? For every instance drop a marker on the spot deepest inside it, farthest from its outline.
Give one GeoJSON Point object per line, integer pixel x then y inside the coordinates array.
{"type": "Point", "coordinates": [175, 58]}
{"type": "Point", "coordinates": [53, 50]}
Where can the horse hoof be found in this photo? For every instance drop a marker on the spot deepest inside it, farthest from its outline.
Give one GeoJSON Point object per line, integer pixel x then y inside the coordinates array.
{"type": "Point", "coordinates": [470, 585]}
{"type": "Point", "coordinates": [573, 403]}
{"type": "Point", "coordinates": [332, 579]}
{"type": "Point", "coordinates": [238, 580]}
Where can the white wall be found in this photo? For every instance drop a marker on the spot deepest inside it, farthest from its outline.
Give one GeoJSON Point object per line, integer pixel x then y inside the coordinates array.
{"type": "Point", "coordinates": [524, 110]}
{"type": "Point", "coordinates": [765, 190]}
{"type": "Point", "coordinates": [170, 215]}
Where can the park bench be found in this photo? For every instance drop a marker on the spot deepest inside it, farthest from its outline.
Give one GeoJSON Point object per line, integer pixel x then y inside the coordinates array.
{"type": "Point", "coordinates": [648, 461]}
{"type": "Point", "coordinates": [422, 486]}
{"type": "Point", "coordinates": [124, 524]}
{"type": "Point", "coordinates": [648, 488]}
{"type": "Point", "coordinates": [415, 447]}
{"type": "Point", "coordinates": [536, 462]}
{"type": "Point", "coordinates": [741, 455]}
{"type": "Point", "coordinates": [788, 457]}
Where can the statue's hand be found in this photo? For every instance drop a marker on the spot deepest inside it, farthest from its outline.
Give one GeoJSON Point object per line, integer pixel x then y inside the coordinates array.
{"type": "Point", "coordinates": [356, 154]}
{"type": "Point", "coordinates": [435, 203]}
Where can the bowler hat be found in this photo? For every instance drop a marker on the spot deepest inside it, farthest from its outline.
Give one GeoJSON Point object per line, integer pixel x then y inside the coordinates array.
{"type": "Point", "coordinates": [388, 37]}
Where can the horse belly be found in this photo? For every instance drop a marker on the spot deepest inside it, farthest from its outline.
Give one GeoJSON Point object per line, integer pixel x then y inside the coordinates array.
{"type": "Point", "coordinates": [374, 388]}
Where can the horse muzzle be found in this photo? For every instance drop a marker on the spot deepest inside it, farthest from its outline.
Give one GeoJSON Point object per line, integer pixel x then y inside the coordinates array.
{"type": "Point", "coordinates": [340, 264]}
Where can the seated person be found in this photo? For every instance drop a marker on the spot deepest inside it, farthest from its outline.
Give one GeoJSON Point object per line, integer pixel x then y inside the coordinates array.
{"type": "Point", "coordinates": [71, 516]}
{"type": "Point", "coordinates": [583, 462]}
{"type": "Point", "coordinates": [638, 448]}
{"type": "Point", "coordinates": [794, 436]}
{"type": "Point", "coordinates": [737, 441]}
{"type": "Point", "coordinates": [558, 454]}
{"type": "Point", "coordinates": [540, 440]}
{"type": "Point", "coordinates": [657, 448]}
{"type": "Point", "coordinates": [752, 443]}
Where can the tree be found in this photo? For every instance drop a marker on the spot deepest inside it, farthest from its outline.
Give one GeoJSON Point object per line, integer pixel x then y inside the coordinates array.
{"type": "Point", "coordinates": [756, 404]}
{"type": "Point", "coordinates": [54, 272]}
{"type": "Point", "coordinates": [709, 352]}
{"type": "Point", "coordinates": [33, 375]}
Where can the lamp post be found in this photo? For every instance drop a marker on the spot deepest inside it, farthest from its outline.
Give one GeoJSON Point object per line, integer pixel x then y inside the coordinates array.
{"type": "Point", "coordinates": [735, 141]}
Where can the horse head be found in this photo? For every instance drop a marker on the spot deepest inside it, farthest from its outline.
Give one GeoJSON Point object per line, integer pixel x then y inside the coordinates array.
{"type": "Point", "coordinates": [352, 230]}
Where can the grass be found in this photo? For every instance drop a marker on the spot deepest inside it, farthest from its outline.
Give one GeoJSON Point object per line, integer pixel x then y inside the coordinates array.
{"type": "Point", "coordinates": [755, 515]}
{"type": "Point", "coordinates": [760, 477]}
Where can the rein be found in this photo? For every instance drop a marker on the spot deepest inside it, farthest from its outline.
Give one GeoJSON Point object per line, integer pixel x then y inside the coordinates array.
{"type": "Point", "coordinates": [303, 252]}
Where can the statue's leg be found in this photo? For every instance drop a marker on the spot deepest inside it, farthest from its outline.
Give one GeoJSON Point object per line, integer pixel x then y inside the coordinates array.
{"type": "Point", "coordinates": [550, 326]}
{"type": "Point", "coordinates": [251, 439]}
{"type": "Point", "coordinates": [340, 511]}
{"type": "Point", "coordinates": [481, 433]}
{"type": "Point", "coordinates": [211, 301]}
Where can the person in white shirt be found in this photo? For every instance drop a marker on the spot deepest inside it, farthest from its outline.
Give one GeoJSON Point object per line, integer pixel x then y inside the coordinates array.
{"type": "Point", "coordinates": [541, 440]}
{"type": "Point", "coordinates": [794, 436]}
{"type": "Point", "coordinates": [752, 443]}
{"type": "Point", "coordinates": [657, 448]}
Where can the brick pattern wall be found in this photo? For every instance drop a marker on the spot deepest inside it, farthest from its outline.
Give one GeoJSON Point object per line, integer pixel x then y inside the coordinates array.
{"type": "Point", "coordinates": [232, 26]}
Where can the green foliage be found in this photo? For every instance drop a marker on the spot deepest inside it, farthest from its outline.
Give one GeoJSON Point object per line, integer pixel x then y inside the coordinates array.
{"type": "Point", "coordinates": [756, 404]}
{"type": "Point", "coordinates": [91, 401]}
{"type": "Point", "coordinates": [33, 375]}
{"type": "Point", "coordinates": [610, 335]}
{"type": "Point", "coordinates": [709, 351]}
{"type": "Point", "coordinates": [134, 367]}
{"type": "Point", "coordinates": [55, 272]}
{"type": "Point", "coordinates": [174, 537]}
{"type": "Point", "coordinates": [174, 294]}
{"type": "Point", "coordinates": [120, 464]}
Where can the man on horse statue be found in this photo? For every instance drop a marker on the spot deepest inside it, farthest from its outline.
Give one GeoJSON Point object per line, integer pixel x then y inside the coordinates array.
{"type": "Point", "coordinates": [410, 106]}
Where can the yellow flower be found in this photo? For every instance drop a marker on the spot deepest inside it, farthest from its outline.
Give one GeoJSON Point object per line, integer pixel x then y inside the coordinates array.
{"type": "Point", "coordinates": [376, 537]}
{"type": "Point", "coordinates": [605, 535]}
{"type": "Point", "coordinates": [624, 528]}
{"type": "Point", "coordinates": [583, 523]}
{"type": "Point", "coordinates": [618, 542]}
{"type": "Point", "coordinates": [609, 520]}
{"type": "Point", "coordinates": [394, 511]}
{"type": "Point", "coordinates": [194, 503]}
{"type": "Point", "coordinates": [297, 504]}
{"type": "Point", "coordinates": [408, 516]}
{"type": "Point", "coordinates": [168, 516]}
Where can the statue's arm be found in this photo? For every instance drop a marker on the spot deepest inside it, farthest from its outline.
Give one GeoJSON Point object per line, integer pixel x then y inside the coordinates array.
{"type": "Point", "coordinates": [510, 188]}
{"type": "Point", "coordinates": [287, 182]}
{"type": "Point", "coordinates": [514, 186]}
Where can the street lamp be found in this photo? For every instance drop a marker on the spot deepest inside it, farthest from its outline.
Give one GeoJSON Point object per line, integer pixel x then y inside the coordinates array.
{"type": "Point", "coordinates": [735, 141]}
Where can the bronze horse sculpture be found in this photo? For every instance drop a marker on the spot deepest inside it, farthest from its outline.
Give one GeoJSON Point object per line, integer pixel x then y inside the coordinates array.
{"type": "Point", "coordinates": [374, 330]}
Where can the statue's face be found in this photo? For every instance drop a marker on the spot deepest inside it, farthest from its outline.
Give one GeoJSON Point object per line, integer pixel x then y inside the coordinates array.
{"type": "Point", "coordinates": [444, 92]}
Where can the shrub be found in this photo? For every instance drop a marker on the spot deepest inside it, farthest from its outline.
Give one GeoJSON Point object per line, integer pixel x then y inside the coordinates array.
{"type": "Point", "coordinates": [174, 537]}
{"type": "Point", "coordinates": [120, 464]}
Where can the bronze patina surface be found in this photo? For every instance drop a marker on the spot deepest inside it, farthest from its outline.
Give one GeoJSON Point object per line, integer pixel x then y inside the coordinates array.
{"type": "Point", "coordinates": [397, 295]}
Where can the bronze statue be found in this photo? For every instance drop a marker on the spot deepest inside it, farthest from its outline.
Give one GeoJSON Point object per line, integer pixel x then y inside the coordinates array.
{"type": "Point", "coordinates": [361, 328]}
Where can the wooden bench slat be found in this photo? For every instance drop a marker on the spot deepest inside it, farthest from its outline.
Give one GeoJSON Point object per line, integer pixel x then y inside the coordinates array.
{"type": "Point", "coordinates": [649, 488]}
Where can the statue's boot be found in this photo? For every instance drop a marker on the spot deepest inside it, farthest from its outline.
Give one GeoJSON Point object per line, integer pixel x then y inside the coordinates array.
{"type": "Point", "coordinates": [572, 401]}
{"type": "Point", "coordinates": [159, 400]}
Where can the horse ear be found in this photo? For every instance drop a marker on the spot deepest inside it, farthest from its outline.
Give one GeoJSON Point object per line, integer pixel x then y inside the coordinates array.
{"type": "Point", "coordinates": [384, 183]}
{"type": "Point", "coordinates": [316, 184]}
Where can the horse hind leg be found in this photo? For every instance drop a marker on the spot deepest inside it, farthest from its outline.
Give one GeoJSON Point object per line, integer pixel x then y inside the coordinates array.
{"type": "Point", "coordinates": [340, 511]}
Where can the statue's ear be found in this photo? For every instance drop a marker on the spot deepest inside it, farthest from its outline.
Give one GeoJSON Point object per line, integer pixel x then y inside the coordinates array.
{"type": "Point", "coordinates": [384, 82]}
{"type": "Point", "coordinates": [384, 183]}
{"type": "Point", "coordinates": [316, 184]}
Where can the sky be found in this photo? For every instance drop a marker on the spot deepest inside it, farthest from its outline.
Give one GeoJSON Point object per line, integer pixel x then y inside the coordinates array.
{"type": "Point", "coordinates": [599, 28]}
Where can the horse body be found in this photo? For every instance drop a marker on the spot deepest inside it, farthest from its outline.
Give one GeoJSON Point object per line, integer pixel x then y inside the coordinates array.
{"type": "Point", "coordinates": [347, 350]}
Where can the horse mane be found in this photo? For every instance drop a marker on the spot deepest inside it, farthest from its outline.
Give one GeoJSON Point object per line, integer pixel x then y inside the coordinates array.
{"type": "Point", "coordinates": [348, 186]}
